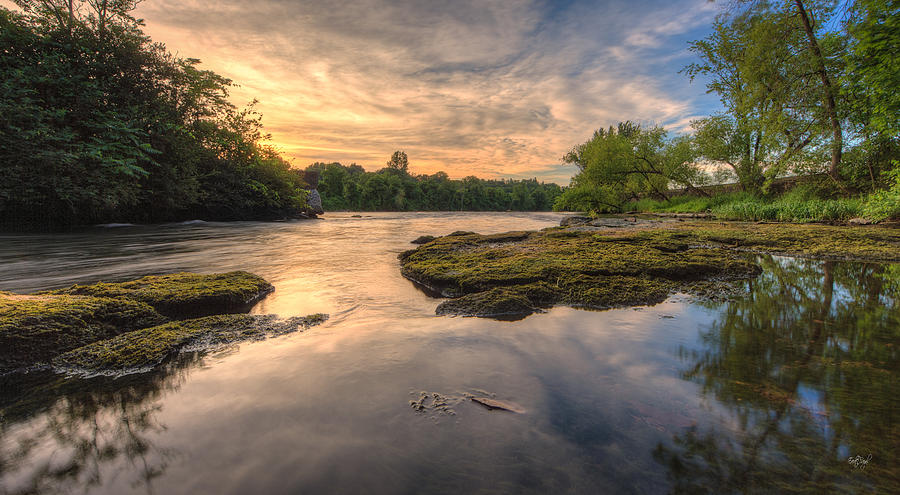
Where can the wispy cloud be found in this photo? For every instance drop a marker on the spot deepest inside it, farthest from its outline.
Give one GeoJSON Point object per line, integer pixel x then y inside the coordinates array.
{"type": "Point", "coordinates": [491, 88]}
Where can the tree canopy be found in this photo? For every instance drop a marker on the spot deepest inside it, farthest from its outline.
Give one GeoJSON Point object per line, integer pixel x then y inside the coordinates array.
{"type": "Point", "coordinates": [100, 124]}
{"type": "Point", "coordinates": [393, 188]}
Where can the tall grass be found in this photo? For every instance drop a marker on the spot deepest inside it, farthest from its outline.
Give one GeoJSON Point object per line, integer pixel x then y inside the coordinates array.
{"type": "Point", "coordinates": [799, 205]}
{"type": "Point", "coordinates": [790, 210]}
{"type": "Point", "coordinates": [685, 204]}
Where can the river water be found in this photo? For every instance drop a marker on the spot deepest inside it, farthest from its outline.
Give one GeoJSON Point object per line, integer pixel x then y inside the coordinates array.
{"type": "Point", "coordinates": [794, 387]}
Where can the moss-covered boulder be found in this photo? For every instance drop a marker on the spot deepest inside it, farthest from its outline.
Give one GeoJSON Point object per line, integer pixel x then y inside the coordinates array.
{"type": "Point", "coordinates": [185, 295]}
{"type": "Point", "coordinates": [423, 239]}
{"type": "Point", "coordinates": [598, 267]}
{"type": "Point", "coordinates": [35, 328]}
{"type": "Point", "coordinates": [143, 349]}
{"type": "Point", "coordinates": [497, 303]}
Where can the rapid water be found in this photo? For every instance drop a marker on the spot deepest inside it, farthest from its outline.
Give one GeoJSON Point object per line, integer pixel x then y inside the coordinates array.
{"type": "Point", "coordinates": [795, 387]}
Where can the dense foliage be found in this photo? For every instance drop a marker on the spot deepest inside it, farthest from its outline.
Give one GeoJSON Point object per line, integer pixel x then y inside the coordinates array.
{"type": "Point", "coordinates": [99, 124]}
{"type": "Point", "coordinates": [625, 163]}
{"type": "Point", "coordinates": [808, 87]}
{"type": "Point", "coordinates": [393, 188]}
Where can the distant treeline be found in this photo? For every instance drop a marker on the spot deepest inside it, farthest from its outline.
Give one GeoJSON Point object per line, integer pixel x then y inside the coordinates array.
{"type": "Point", "coordinates": [393, 188]}
{"type": "Point", "coordinates": [100, 124]}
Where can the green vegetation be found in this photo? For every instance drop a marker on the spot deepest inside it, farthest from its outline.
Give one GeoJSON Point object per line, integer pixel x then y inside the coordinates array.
{"type": "Point", "coordinates": [181, 295]}
{"type": "Point", "coordinates": [393, 188]}
{"type": "Point", "coordinates": [100, 124]}
{"type": "Point", "coordinates": [35, 328]}
{"type": "Point", "coordinates": [146, 348]}
{"type": "Point", "coordinates": [792, 207]}
{"type": "Point", "coordinates": [808, 88]}
{"type": "Point", "coordinates": [517, 273]}
{"type": "Point", "coordinates": [116, 327]}
{"type": "Point", "coordinates": [686, 204]}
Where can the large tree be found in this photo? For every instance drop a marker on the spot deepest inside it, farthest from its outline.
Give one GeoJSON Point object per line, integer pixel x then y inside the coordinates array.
{"type": "Point", "coordinates": [772, 65]}
{"type": "Point", "coordinates": [627, 162]}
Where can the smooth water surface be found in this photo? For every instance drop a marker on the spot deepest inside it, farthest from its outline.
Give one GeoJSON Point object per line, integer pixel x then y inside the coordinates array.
{"type": "Point", "coordinates": [794, 387]}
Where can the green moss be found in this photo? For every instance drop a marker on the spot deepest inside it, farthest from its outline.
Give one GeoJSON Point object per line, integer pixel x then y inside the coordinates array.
{"type": "Point", "coordinates": [34, 329]}
{"type": "Point", "coordinates": [516, 272]}
{"type": "Point", "coordinates": [145, 348]}
{"type": "Point", "coordinates": [494, 303]}
{"type": "Point", "coordinates": [422, 239]}
{"type": "Point", "coordinates": [869, 243]}
{"type": "Point", "coordinates": [183, 295]}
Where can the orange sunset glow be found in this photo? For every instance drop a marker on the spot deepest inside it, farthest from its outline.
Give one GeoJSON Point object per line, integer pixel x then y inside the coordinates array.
{"type": "Point", "coordinates": [492, 89]}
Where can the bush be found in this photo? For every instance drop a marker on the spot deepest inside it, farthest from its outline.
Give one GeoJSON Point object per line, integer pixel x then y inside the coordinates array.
{"type": "Point", "coordinates": [885, 204]}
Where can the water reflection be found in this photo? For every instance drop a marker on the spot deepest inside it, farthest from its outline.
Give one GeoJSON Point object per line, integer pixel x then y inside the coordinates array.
{"type": "Point", "coordinates": [807, 368]}
{"type": "Point", "coordinates": [58, 434]}
{"type": "Point", "coordinates": [773, 394]}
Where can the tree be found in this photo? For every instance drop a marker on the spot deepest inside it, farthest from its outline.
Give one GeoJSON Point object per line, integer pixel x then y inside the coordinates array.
{"type": "Point", "coordinates": [627, 162]}
{"type": "Point", "coordinates": [399, 162]}
{"type": "Point", "coordinates": [772, 65]}
{"type": "Point", "coordinates": [99, 124]}
{"type": "Point", "coordinates": [873, 73]}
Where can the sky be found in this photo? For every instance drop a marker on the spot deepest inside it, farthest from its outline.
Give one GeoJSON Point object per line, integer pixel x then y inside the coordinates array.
{"type": "Point", "coordinates": [471, 87]}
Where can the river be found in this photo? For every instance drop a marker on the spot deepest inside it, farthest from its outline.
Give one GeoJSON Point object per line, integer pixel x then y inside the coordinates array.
{"type": "Point", "coordinates": [794, 387]}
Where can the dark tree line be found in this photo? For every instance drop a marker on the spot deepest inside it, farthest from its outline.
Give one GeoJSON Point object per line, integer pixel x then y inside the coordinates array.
{"type": "Point", "coordinates": [100, 124]}
{"type": "Point", "coordinates": [393, 188]}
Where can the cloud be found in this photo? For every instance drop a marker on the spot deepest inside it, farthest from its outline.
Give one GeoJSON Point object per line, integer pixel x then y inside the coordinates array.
{"type": "Point", "coordinates": [491, 88]}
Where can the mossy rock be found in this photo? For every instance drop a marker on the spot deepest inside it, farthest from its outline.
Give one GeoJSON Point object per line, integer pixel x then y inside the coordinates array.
{"type": "Point", "coordinates": [495, 303]}
{"type": "Point", "coordinates": [518, 272]}
{"type": "Point", "coordinates": [185, 295]}
{"type": "Point", "coordinates": [422, 239]}
{"type": "Point", "coordinates": [865, 243]}
{"type": "Point", "coordinates": [35, 328]}
{"type": "Point", "coordinates": [143, 349]}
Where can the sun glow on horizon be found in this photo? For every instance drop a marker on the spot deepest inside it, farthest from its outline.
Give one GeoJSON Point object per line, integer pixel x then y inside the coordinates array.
{"type": "Point", "coordinates": [492, 89]}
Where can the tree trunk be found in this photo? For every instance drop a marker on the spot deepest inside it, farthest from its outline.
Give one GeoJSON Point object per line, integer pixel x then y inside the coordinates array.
{"type": "Point", "coordinates": [837, 142]}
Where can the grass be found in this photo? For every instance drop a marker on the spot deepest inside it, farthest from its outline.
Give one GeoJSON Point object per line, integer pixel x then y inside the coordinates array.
{"type": "Point", "coordinates": [686, 204]}
{"type": "Point", "coordinates": [798, 206]}
{"type": "Point", "coordinates": [791, 210]}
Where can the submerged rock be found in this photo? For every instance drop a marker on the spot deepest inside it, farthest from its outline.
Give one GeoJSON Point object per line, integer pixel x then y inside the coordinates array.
{"type": "Point", "coordinates": [495, 303]}
{"type": "Point", "coordinates": [498, 405]}
{"type": "Point", "coordinates": [574, 220]}
{"type": "Point", "coordinates": [441, 404]}
{"type": "Point", "coordinates": [183, 295]}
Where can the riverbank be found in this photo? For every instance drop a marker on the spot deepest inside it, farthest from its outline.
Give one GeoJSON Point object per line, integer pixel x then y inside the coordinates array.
{"type": "Point", "coordinates": [619, 261]}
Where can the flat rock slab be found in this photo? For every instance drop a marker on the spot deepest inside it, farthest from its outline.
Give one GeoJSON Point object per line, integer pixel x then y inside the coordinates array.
{"type": "Point", "coordinates": [498, 405]}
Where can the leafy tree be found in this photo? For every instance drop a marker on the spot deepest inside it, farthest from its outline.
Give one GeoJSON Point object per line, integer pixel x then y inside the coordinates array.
{"type": "Point", "coordinates": [772, 79]}
{"type": "Point", "coordinates": [399, 161]}
{"type": "Point", "coordinates": [626, 162]}
{"type": "Point", "coordinates": [99, 124]}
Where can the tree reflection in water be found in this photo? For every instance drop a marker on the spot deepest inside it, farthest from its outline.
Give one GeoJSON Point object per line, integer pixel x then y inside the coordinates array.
{"type": "Point", "coordinates": [69, 431]}
{"type": "Point", "coordinates": [807, 368]}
